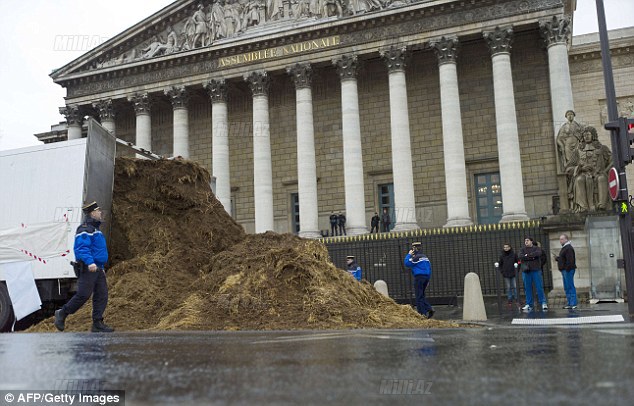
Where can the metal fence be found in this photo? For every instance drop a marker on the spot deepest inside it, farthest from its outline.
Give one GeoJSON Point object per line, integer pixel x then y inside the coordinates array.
{"type": "Point", "coordinates": [453, 252]}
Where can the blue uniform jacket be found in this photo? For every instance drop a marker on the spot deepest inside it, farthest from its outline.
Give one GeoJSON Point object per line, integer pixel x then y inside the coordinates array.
{"type": "Point", "coordinates": [90, 244]}
{"type": "Point", "coordinates": [355, 270]}
{"type": "Point", "coordinates": [419, 263]}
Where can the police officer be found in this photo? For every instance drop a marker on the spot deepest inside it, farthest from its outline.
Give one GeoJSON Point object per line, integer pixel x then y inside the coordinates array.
{"type": "Point", "coordinates": [91, 254]}
{"type": "Point", "coordinates": [421, 269]}
{"type": "Point", "coordinates": [353, 268]}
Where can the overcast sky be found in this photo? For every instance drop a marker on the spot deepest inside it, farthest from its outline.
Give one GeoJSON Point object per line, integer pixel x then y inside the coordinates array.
{"type": "Point", "coordinates": [29, 100]}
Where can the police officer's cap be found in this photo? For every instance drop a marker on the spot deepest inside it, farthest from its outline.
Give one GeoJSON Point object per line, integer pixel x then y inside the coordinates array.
{"type": "Point", "coordinates": [350, 257]}
{"type": "Point", "coordinates": [416, 244]}
{"type": "Point", "coordinates": [90, 207]}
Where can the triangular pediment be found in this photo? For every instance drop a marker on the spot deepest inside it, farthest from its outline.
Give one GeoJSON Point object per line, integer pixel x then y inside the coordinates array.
{"type": "Point", "coordinates": [188, 25]}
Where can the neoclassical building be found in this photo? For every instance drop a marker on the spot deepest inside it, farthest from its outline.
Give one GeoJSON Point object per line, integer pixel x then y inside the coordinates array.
{"type": "Point", "coordinates": [444, 112]}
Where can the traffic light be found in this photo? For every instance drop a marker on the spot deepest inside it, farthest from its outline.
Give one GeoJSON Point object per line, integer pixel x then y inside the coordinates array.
{"type": "Point", "coordinates": [625, 137]}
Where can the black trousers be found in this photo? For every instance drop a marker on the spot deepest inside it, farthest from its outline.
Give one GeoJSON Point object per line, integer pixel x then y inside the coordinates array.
{"type": "Point", "coordinates": [333, 229]}
{"type": "Point", "coordinates": [90, 284]}
{"type": "Point", "coordinates": [342, 229]}
{"type": "Point", "coordinates": [375, 227]}
{"type": "Point", "coordinates": [420, 284]}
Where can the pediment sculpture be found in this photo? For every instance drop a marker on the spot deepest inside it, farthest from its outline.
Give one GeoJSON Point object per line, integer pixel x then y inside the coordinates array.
{"type": "Point", "coordinates": [222, 19]}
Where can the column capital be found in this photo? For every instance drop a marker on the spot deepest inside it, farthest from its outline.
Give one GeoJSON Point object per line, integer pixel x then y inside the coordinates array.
{"type": "Point", "coordinates": [555, 30]}
{"type": "Point", "coordinates": [179, 96]}
{"type": "Point", "coordinates": [499, 40]}
{"type": "Point", "coordinates": [217, 89]}
{"type": "Point", "coordinates": [395, 57]}
{"type": "Point", "coordinates": [71, 112]}
{"type": "Point", "coordinates": [301, 74]}
{"type": "Point", "coordinates": [141, 102]}
{"type": "Point", "coordinates": [259, 82]}
{"type": "Point", "coordinates": [105, 109]}
{"type": "Point", "coordinates": [446, 49]}
{"type": "Point", "coordinates": [347, 66]}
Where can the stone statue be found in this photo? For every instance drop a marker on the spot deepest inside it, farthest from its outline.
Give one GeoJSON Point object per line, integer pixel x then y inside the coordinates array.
{"type": "Point", "coordinates": [588, 174]}
{"type": "Point", "coordinates": [568, 139]}
{"type": "Point", "coordinates": [233, 23]}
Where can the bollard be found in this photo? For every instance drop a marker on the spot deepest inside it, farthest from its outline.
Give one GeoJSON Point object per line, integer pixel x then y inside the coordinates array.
{"type": "Point", "coordinates": [381, 287]}
{"type": "Point", "coordinates": [497, 286]}
{"type": "Point", "coordinates": [473, 306]}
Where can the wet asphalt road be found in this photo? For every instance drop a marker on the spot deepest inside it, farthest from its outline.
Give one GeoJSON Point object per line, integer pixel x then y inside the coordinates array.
{"type": "Point", "coordinates": [495, 364]}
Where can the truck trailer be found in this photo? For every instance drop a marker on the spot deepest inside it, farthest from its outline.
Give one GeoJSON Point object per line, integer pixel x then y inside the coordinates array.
{"type": "Point", "coordinates": [44, 186]}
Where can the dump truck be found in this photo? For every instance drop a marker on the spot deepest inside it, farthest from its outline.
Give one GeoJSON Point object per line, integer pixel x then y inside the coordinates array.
{"type": "Point", "coordinates": [43, 189]}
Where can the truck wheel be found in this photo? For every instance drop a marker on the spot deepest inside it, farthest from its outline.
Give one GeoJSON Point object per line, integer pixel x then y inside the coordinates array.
{"type": "Point", "coordinates": [6, 311]}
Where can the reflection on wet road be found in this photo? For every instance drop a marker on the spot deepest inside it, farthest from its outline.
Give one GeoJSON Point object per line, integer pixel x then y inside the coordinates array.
{"type": "Point", "coordinates": [494, 365]}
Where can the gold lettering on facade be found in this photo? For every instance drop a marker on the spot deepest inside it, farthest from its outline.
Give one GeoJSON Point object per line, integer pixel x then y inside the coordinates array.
{"type": "Point", "coordinates": [279, 51]}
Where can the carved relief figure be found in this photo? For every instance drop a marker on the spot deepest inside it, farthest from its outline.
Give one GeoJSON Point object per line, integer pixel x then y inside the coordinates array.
{"type": "Point", "coordinates": [364, 6]}
{"type": "Point", "coordinates": [274, 9]}
{"type": "Point", "coordinates": [217, 20]}
{"type": "Point", "coordinates": [251, 14]}
{"type": "Point", "coordinates": [588, 168]}
{"type": "Point", "coordinates": [232, 18]}
{"type": "Point", "coordinates": [196, 29]}
{"type": "Point", "coordinates": [331, 8]}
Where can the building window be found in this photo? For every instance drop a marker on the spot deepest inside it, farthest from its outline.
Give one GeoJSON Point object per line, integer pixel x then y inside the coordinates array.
{"type": "Point", "coordinates": [295, 212]}
{"type": "Point", "coordinates": [488, 192]}
{"type": "Point", "coordinates": [386, 201]}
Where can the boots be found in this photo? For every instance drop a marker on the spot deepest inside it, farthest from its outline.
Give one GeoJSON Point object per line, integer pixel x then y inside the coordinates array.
{"type": "Point", "coordinates": [60, 318]}
{"type": "Point", "coordinates": [98, 326]}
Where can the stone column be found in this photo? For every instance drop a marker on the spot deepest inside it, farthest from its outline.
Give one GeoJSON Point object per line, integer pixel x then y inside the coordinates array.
{"type": "Point", "coordinates": [403, 175]}
{"type": "Point", "coordinates": [499, 41]}
{"type": "Point", "coordinates": [453, 145]}
{"type": "Point", "coordinates": [301, 75]}
{"type": "Point", "coordinates": [106, 115]}
{"type": "Point", "coordinates": [556, 31]}
{"type": "Point", "coordinates": [142, 106]}
{"type": "Point", "coordinates": [180, 97]}
{"type": "Point", "coordinates": [74, 120]}
{"type": "Point", "coordinates": [262, 167]}
{"type": "Point", "coordinates": [220, 165]}
{"type": "Point", "coordinates": [347, 67]}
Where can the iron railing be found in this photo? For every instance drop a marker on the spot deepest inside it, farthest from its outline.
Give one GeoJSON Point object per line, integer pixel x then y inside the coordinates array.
{"type": "Point", "coordinates": [453, 252]}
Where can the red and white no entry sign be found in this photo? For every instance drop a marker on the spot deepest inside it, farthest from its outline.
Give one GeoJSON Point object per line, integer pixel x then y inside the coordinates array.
{"type": "Point", "coordinates": [613, 183]}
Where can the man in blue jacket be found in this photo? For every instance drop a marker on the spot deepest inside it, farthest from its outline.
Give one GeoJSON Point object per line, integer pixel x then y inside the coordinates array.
{"type": "Point", "coordinates": [91, 254]}
{"type": "Point", "coordinates": [353, 268]}
{"type": "Point", "coordinates": [421, 269]}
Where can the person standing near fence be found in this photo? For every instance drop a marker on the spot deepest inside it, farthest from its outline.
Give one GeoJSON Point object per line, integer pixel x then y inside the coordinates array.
{"type": "Point", "coordinates": [342, 223]}
{"type": "Point", "coordinates": [334, 223]}
{"type": "Point", "coordinates": [421, 269]}
{"type": "Point", "coordinates": [353, 268]}
{"type": "Point", "coordinates": [531, 266]}
{"type": "Point", "coordinates": [567, 265]}
{"type": "Point", "coordinates": [508, 263]}
{"type": "Point", "coordinates": [375, 223]}
{"type": "Point", "coordinates": [386, 220]}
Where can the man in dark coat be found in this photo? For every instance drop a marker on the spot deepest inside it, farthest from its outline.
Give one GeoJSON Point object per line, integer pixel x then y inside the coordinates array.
{"type": "Point", "coordinates": [375, 223]}
{"type": "Point", "coordinates": [531, 266]}
{"type": "Point", "coordinates": [567, 265]}
{"type": "Point", "coordinates": [508, 268]}
{"type": "Point", "coordinates": [342, 223]}
{"type": "Point", "coordinates": [386, 220]}
{"type": "Point", "coordinates": [334, 222]}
